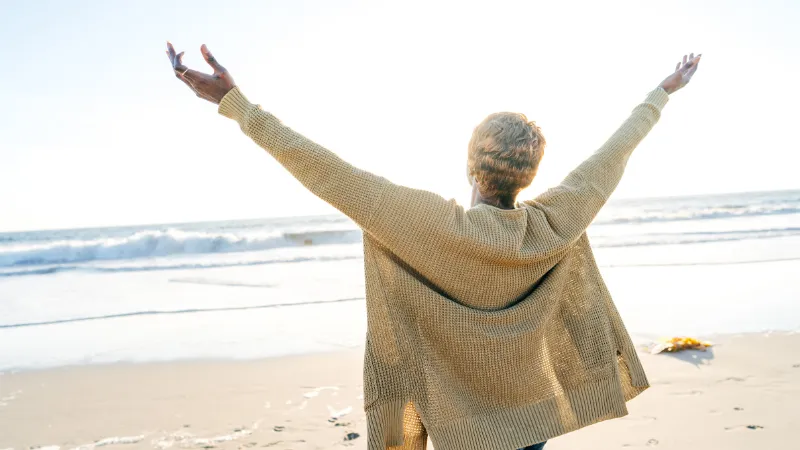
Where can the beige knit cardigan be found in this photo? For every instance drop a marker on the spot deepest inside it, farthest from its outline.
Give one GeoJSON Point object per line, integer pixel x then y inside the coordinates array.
{"type": "Point", "coordinates": [487, 328]}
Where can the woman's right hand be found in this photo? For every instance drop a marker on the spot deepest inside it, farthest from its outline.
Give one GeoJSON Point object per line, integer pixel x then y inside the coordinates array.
{"type": "Point", "coordinates": [682, 75]}
{"type": "Point", "coordinates": [208, 87]}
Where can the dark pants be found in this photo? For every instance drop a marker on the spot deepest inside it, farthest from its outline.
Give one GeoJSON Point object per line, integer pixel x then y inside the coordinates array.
{"type": "Point", "coordinates": [539, 446]}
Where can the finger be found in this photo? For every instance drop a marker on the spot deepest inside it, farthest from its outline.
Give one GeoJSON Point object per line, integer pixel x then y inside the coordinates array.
{"type": "Point", "coordinates": [174, 59]}
{"type": "Point", "coordinates": [177, 63]}
{"type": "Point", "coordinates": [695, 62]}
{"type": "Point", "coordinates": [677, 66]}
{"type": "Point", "coordinates": [211, 60]}
{"type": "Point", "coordinates": [171, 54]}
{"type": "Point", "coordinates": [692, 64]}
{"type": "Point", "coordinates": [684, 59]}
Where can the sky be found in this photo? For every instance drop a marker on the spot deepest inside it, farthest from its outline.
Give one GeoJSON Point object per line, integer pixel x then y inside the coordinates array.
{"type": "Point", "coordinates": [96, 130]}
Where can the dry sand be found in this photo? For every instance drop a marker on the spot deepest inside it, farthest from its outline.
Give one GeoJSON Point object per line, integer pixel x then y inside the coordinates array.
{"type": "Point", "coordinates": [745, 394]}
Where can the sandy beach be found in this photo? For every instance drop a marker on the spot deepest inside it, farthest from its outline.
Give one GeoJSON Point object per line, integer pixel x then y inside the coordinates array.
{"type": "Point", "coordinates": [743, 394]}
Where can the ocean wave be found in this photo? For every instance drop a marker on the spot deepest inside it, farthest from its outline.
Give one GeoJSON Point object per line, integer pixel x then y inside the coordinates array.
{"type": "Point", "coordinates": [150, 243]}
{"type": "Point", "coordinates": [700, 213]}
{"type": "Point", "coordinates": [699, 237]}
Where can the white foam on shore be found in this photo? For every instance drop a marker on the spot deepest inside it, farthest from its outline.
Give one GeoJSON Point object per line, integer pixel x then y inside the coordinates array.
{"type": "Point", "coordinates": [4, 401]}
{"type": "Point", "coordinates": [111, 441]}
{"type": "Point", "coordinates": [316, 391]}
{"type": "Point", "coordinates": [339, 414]}
{"type": "Point", "coordinates": [185, 439]}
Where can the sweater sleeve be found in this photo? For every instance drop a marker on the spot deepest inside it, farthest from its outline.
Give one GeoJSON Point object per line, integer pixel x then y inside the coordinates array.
{"type": "Point", "coordinates": [349, 189]}
{"type": "Point", "coordinates": [571, 206]}
{"type": "Point", "coordinates": [359, 194]}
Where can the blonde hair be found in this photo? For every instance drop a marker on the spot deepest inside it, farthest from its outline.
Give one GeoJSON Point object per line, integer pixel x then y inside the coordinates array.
{"type": "Point", "coordinates": [504, 154]}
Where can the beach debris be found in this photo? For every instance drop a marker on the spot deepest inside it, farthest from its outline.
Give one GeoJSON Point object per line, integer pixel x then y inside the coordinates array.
{"type": "Point", "coordinates": [738, 408]}
{"type": "Point", "coordinates": [676, 344]}
{"type": "Point", "coordinates": [351, 436]}
{"type": "Point", "coordinates": [749, 427]}
{"type": "Point", "coordinates": [652, 442]}
{"type": "Point", "coordinates": [278, 428]}
{"type": "Point", "coordinates": [796, 366]}
{"type": "Point", "coordinates": [336, 415]}
{"type": "Point", "coordinates": [342, 424]}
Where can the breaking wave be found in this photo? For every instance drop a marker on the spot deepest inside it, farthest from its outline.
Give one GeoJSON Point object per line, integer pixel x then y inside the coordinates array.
{"type": "Point", "coordinates": [154, 243]}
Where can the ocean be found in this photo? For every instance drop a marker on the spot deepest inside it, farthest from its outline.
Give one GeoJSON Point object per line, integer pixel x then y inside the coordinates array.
{"type": "Point", "coordinates": [268, 287]}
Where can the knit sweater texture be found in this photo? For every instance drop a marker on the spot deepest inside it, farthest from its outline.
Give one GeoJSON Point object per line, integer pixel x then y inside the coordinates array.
{"type": "Point", "coordinates": [487, 328]}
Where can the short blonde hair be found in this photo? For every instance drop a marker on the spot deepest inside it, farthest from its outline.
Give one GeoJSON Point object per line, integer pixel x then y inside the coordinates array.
{"type": "Point", "coordinates": [504, 154]}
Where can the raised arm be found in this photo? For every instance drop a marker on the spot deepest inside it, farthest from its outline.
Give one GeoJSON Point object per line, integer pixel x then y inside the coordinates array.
{"type": "Point", "coordinates": [571, 206]}
{"type": "Point", "coordinates": [355, 192]}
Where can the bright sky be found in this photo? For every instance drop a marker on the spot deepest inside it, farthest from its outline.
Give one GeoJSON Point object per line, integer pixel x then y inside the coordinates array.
{"type": "Point", "coordinates": [97, 131]}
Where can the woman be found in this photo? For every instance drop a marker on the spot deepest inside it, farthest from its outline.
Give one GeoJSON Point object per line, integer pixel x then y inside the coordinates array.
{"type": "Point", "coordinates": [488, 327]}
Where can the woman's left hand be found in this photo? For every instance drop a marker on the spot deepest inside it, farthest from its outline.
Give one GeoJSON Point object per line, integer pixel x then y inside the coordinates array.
{"type": "Point", "coordinates": [209, 87]}
{"type": "Point", "coordinates": [682, 75]}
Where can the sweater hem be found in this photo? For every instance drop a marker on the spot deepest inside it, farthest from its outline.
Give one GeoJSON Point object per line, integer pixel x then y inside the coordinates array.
{"type": "Point", "coordinates": [514, 428]}
{"type": "Point", "coordinates": [509, 428]}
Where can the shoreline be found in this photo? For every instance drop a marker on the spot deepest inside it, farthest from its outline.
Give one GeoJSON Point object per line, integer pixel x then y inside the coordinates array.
{"type": "Point", "coordinates": [696, 400]}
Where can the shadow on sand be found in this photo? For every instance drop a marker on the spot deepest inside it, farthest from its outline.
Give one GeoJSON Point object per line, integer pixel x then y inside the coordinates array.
{"type": "Point", "coordinates": [694, 357]}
